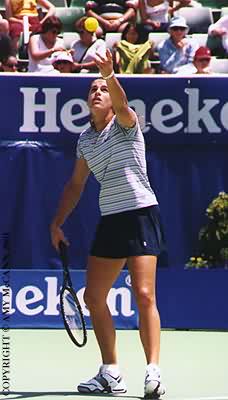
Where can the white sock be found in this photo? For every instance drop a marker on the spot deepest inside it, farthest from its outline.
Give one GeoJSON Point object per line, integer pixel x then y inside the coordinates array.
{"type": "Point", "coordinates": [153, 368]}
{"type": "Point", "coordinates": [113, 369]}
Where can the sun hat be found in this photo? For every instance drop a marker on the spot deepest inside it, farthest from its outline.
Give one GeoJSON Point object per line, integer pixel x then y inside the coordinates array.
{"type": "Point", "coordinates": [203, 52]}
{"type": "Point", "coordinates": [178, 21]}
{"type": "Point", "coordinates": [62, 56]}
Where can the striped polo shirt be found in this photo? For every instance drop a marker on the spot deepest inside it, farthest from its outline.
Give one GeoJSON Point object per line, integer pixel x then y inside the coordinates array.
{"type": "Point", "coordinates": [116, 157]}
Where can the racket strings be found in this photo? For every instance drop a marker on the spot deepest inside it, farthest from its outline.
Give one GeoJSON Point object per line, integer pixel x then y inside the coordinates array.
{"type": "Point", "coordinates": [73, 316]}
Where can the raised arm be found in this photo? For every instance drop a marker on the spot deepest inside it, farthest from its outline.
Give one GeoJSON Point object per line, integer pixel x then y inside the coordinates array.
{"type": "Point", "coordinates": [49, 7]}
{"type": "Point", "coordinates": [125, 115]}
{"type": "Point", "coordinates": [69, 200]}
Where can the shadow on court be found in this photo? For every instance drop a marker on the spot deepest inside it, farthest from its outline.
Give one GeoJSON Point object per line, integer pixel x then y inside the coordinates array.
{"type": "Point", "coordinates": [32, 395]}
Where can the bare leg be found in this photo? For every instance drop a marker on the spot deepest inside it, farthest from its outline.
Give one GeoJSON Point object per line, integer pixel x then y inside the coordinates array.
{"type": "Point", "coordinates": [101, 274]}
{"type": "Point", "coordinates": [143, 275]}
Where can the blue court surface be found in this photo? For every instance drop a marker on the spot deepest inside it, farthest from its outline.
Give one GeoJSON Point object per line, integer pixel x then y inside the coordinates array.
{"type": "Point", "coordinates": [45, 365]}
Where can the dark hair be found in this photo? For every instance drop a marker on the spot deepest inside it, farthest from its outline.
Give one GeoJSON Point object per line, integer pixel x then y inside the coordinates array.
{"type": "Point", "coordinates": [52, 23]}
{"type": "Point", "coordinates": [127, 28]}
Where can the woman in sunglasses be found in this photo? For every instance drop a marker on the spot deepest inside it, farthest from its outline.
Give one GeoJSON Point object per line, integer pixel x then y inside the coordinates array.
{"type": "Point", "coordinates": [42, 46]}
{"type": "Point", "coordinates": [9, 64]}
{"type": "Point", "coordinates": [177, 50]}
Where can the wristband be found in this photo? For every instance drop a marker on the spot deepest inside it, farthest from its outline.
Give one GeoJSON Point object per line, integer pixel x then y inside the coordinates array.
{"type": "Point", "coordinates": [108, 76]}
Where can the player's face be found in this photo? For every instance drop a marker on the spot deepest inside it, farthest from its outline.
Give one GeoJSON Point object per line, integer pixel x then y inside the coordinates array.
{"type": "Point", "coordinates": [99, 97]}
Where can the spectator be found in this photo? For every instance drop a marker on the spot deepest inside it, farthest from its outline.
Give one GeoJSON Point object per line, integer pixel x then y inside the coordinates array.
{"type": "Point", "coordinates": [155, 14]}
{"type": "Point", "coordinates": [85, 48]}
{"type": "Point", "coordinates": [17, 9]}
{"type": "Point", "coordinates": [63, 62]}
{"type": "Point", "coordinates": [219, 30]}
{"type": "Point", "coordinates": [112, 15]}
{"type": "Point", "coordinates": [4, 25]}
{"type": "Point", "coordinates": [6, 47]}
{"type": "Point", "coordinates": [177, 50]}
{"type": "Point", "coordinates": [42, 46]}
{"type": "Point", "coordinates": [200, 65]}
{"type": "Point", "coordinates": [10, 64]}
{"type": "Point", "coordinates": [131, 56]}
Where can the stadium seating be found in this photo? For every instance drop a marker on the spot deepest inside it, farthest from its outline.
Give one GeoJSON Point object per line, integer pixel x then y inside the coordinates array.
{"type": "Point", "coordinates": [219, 65]}
{"type": "Point", "coordinates": [78, 3]}
{"type": "Point", "coordinates": [198, 19]}
{"type": "Point", "coordinates": [215, 45]}
{"type": "Point", "coordinates": [69, 37]}
{"type": "Point", "coordinates": [224, 11]}
{"type": "Point", "coordinates": [59, 3]}
{"type": "Point", "coordinates": [2, 6]}
{"type": "Point", "coordinates": [157, 37]}
{"type": "Point", "coordinates": [214, 3]}
{"type": "Point", "coordinates": [200, 38]}
{"type": "Point", "coordinates": [68, 16]}
{"type": "Point", "coordinates": [111, 38]}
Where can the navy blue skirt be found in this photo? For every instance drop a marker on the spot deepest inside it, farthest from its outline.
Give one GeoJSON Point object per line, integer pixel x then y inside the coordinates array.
{"type": "Point", "coordinates": [130, 233]}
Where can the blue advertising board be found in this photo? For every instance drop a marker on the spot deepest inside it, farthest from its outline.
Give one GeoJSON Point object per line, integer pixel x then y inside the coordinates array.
{"type": "Point", "coordinates": [30, 299]}
{"type": "Point", "coordinates": [173, 110]}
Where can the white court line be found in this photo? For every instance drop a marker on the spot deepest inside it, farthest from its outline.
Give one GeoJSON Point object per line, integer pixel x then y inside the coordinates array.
{"type": "Point", "coordinates": [200, 398]}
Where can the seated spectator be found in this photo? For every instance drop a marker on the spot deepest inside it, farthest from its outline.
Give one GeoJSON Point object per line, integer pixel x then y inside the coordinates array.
{"type": "Point", "coordinates": [10, 64]}
{"type": "Point", "coordinates": [112, 15]}
{"type": "Point", "coordinates": [17, 9]}
{"type": "Point", "coordinates": [85, 48]}
{"type": "Point", "coordinates": [200, 64]}
{"type": "Point", "coordinates": [132, 57]}
{"type": "Point", "coordinates": [63, 62]}
{"type": "Point", "coordinates": [155, 14]}
{"type": "Point", "coordinates": [6, 47]}
{"type": "Point", "coordinates": [4, 25]}
{"type": "Point", "coordinates": [42, 46]}
{"type": "Point", "coordinates": [177, 50]}
{"type": "Point", "coordinates": [219, 30]}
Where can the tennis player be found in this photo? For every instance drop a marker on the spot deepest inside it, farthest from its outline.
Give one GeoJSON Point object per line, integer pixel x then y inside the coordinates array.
{"type": "Point", "coordinates": [129, 231]}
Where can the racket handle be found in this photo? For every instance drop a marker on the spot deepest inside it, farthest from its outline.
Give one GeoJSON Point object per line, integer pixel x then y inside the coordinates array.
{"type": "Point", "coordinates": [63, 252]}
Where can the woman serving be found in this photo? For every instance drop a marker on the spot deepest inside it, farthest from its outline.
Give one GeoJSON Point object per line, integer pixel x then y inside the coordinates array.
{"type": "Point", "coordinates": [129, 231]}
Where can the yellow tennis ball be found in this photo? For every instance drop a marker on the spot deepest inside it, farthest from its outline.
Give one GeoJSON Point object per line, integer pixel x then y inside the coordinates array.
{"type": "Point", "coordinates": [91, 24]}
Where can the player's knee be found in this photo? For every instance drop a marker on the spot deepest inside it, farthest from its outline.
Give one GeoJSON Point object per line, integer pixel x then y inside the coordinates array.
{"type": "Point", "coordinates": [92, 300]}
{"type": "Point", "coordinates": [145, 298]}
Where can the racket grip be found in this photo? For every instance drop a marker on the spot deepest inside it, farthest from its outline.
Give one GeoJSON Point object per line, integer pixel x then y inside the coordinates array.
{"type": "Point", "coordinates": [63, 252]}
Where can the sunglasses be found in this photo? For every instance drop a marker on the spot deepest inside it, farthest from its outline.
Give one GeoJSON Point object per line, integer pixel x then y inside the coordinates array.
{"type": "Point", "coordinates": [11, 65]}
{"type": "Point", "coordinates": [55, 31]}
{"type": "Point", "coordinates": [204, 59]}
{"type": "Point", "coordinates": [62, 62]}
{"type": "Point", "coordinates": [81, 32]}
{"type": "Point", "coordinates": [178, 28]}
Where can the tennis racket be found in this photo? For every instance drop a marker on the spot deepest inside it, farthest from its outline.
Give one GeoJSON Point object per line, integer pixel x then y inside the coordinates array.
{"type": "Point", "coordinates": [69, 304]}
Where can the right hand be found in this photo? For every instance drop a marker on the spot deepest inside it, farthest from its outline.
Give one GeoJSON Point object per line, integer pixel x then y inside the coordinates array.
{"type": "Point", "coordinates": [181, 44]}
{"type": "Point", "coordinates": [58, 48]}
{"type": "Point", "coordinates": [57, 235]}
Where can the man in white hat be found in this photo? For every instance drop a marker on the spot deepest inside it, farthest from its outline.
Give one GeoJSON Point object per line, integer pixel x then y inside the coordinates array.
{"type": "Point", "coordinates": [177, 50]}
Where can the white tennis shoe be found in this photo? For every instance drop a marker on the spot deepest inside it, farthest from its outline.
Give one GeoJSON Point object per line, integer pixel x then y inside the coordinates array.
{"type": "Point", "coordinates": [103, 382]}
{"type": "Point", "coordinates": [153, 387]}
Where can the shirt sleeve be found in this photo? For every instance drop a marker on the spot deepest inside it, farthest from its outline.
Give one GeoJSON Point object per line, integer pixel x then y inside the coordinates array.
{"type": "Point", "coordinates": [130, 132]}
{"type": "Point", "coordinates": [79, 152]}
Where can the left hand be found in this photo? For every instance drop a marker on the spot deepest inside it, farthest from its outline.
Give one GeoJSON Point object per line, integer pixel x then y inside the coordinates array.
{"type": "Point", "coordinates": [104, 63]}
